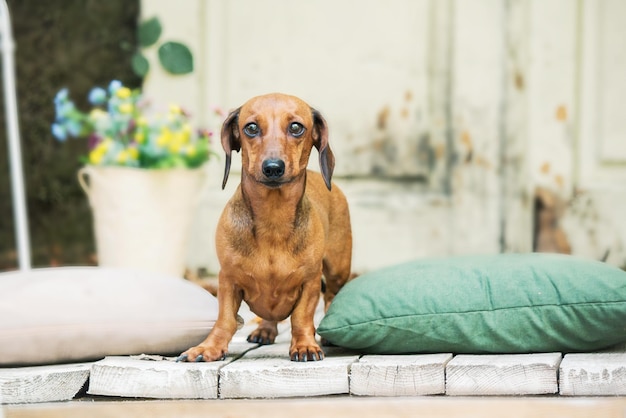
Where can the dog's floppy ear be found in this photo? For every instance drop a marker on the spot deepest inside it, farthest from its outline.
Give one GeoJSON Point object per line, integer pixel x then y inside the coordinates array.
{"type": "Point", "coordinates": [230, 140]}
{"type": "Point", "coordinates": [320, 140]}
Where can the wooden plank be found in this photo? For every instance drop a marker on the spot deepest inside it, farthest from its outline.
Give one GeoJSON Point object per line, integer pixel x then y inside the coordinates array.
{"type": "Point", "coordinates": [133, 378]}
{"type": "Point", "coordinates": [594, 374]}
{"type": "Point", "coordinates": [267, 372]}
{"type": "Point", "coordinates": [42, 383]}
{"type": "Point", "coordinates": [399, 375]}
{"type": "Point", "coordinates": [514, 374]}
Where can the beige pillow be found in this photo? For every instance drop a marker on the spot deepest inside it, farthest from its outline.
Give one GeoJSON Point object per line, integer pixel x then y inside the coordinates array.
{"type": "Point", "coordinates": [61, 315]}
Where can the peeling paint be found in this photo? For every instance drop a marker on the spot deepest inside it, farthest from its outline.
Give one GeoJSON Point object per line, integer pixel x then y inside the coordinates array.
{"type": "Point", "coordinates": [559, 180]}
{"type": "Point", "coordinates": [466, 141]}
{"type": "Point", "coordinates": [548, 235]}
{"type": "Point", "coordinates": [591, 221]}
{"type": "Point", "coordinates": [383, 117]}
{"type": "Point", "coordinates": [425, 152]}
{"type": "Point", "coordinates": [518, 80]}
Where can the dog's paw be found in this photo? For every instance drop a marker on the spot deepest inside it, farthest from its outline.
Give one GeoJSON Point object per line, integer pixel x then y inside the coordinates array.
{"type": "Point", "coordinates": [263, 336]}
{"type": "Point", "coordinates": [201, 353]}
{"type": "Point", "coordinates": [306, 352]}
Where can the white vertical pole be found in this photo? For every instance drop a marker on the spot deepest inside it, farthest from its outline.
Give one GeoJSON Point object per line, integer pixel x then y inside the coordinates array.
{"type": "Point", "coordinates": [13, 135]}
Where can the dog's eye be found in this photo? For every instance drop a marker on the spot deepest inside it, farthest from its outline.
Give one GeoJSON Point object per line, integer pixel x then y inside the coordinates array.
{"type": "Point", "coordinates": [251, 129]}
{"type": "Point", "coordinates": [296, 129]}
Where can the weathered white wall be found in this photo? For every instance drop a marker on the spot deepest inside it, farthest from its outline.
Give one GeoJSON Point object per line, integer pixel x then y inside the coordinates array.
{"type": "Point", "coordinates": [445, 115]}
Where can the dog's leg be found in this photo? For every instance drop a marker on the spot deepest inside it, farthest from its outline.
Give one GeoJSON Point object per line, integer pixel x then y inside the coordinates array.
{"type": "Point", "coordinates": [215, 346]}
{"type": "Point", "coordinates": [303, 344]}
{"type": "Point", "coordinates": [336, 273]}
{"type": "Point", "coordinates": [335, 279]}
{"type": "Point", "coordinates": [336, 267]}
{"type": "Point", "coordinates": [265, 333]}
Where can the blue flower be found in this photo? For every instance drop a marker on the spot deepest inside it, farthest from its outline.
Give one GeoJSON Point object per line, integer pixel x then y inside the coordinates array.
{"type": "Point", "coordinates": [61, 96]}
{"type": "Point", "coordinates": [63, 110]}
{"type": "Point", "coordinates": [59, 132]}
{"type": "Point", "coordinates": [114, 86]}
{"type": "Point", "coordinates": [97, 96]}
{"type": "Point", "coordinates": [73, 127]}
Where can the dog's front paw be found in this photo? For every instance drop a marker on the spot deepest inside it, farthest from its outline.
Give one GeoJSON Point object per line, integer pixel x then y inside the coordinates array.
{"type": "Point", "coordinates": [306, 352]}
{"type": "Point", "coordinates": [202, 353]}
{"type": "Point", "coordinates": [265, 334]}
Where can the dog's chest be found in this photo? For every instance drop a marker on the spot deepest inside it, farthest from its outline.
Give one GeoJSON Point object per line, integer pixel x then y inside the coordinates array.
{"type": "Point", "coordinates": [272, 288]}
{"type": "Point", "coordinates": [272, 239]}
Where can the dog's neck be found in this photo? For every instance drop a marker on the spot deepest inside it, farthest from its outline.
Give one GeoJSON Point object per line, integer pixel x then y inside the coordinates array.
{"type": "Point", "coordinates": [275, 210]}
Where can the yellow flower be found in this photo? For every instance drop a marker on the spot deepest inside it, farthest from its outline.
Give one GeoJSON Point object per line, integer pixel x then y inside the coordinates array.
{"type": "Point", "coordinates": [140, 137]}
{"type": "Point", "coordinates": [126, 108]}
{"type": "Point", "coordinates": [123, 93]}
{"type": "Point", "coordinates": [190, 150]}
{"type": "Point", "coordinates": [103, 146]}
{"type": "Point", "coordinates": [141, 121]}
{"type": "Point", "coordinates": [122, 156]}
{"type": "Point", "coordinates": [181, 137]}
{"type": "Point", "coordinates": [175, 109]}
{"type": "Point", "coordinates": [95, 156]}
{"type": "Point", "coordinates": [97, 113]}
{"type": "Point", "coordinates": [165, 137]}
{"type": "Point", "coordinates": [174, 147]}
{"type": "Point", "coordinates": [133, 153]}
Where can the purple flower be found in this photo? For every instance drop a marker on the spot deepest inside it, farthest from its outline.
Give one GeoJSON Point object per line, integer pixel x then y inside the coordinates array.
{"type": "Point", "coordinates": [92, 141]}
{"type": "Point", "coordinates": [97, 96]}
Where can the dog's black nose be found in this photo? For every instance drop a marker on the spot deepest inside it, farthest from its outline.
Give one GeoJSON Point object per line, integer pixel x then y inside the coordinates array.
{"type": "Point", "coordinates": [273, 168]}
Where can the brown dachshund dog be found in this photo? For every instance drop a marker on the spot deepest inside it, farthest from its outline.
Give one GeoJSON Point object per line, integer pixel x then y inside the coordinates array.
{"type": "Point", "coordinates": [281, 230]}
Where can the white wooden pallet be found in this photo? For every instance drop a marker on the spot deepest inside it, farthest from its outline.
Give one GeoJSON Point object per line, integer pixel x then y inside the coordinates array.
{"type": "Point", "coordinates": [593, 374]}
{"type": "Point", "coordinates": [43, 383]}
{"type": "Point", "coordinates": [165, 379]}
{"type": "Point", "coordinates": [513, 374]}
{"type": "Point", "coordinates": [267, 372]}
{"type": "Point", "coordinates": [399, 375]}
{"type": "Point", "coordinates": [251, 371]}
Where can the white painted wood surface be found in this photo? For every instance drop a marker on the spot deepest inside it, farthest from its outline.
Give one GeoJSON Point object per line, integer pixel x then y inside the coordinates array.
{"type": "Point", "coordinates": [463, 106]}
{"type": "Point", "coordinates": [267, 372]}
{"type": "Point", "coordinates": [594, 374]}
{"type": "Point", "coordinates": [514, 374]}
{"type": "Point", "coordinates": [42, 383]}
{"type": "Point", "coordinates": [131, 378]}
{"type": "Point", "coordinates": [399, 375]}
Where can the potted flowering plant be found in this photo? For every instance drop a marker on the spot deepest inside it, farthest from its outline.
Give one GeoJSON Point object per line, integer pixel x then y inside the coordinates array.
{"type": "Point", "coordinates": [143, 175]}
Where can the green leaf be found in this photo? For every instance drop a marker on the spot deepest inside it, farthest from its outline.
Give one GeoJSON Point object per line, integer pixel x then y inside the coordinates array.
{"type": "Point", "coordinates": [176, 58]}
{"type": "Point", "coordinates": [140, 64]}
{"type": "Point", "coordinates": [149, 32]}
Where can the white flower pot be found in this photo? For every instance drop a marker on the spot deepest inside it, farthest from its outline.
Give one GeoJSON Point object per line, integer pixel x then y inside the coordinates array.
{"type": "Point", "coordinates": [142, 217]}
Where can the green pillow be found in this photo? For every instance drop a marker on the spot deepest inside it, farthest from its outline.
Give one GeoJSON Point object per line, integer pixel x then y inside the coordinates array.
{"type": "Point", "coordinates": [505, 303]}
